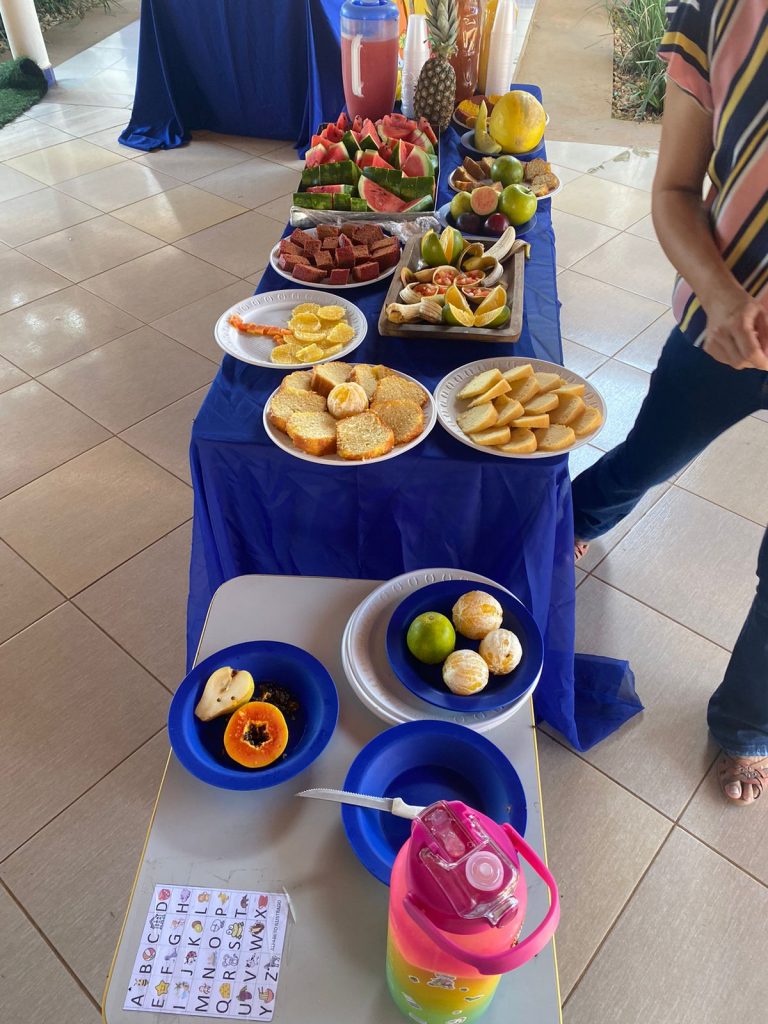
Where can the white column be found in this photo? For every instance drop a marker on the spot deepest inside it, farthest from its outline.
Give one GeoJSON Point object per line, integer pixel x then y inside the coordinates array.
{"type": "Point", "coordinates": [23, 30]}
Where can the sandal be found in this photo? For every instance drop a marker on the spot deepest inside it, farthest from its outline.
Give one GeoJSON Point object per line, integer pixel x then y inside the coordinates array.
{"type": "Point", "coordinates": [749, 774]}
{"type": "Point", "coordinates": [580, 548]}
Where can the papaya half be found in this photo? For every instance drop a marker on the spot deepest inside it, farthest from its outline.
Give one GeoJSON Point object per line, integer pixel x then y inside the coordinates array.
{"type": "Point", "coordinates": [256, 734]}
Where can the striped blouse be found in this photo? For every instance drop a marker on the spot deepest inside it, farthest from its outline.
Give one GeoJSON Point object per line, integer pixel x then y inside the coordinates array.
{"type": "Point", "coordinates": [717, 51]}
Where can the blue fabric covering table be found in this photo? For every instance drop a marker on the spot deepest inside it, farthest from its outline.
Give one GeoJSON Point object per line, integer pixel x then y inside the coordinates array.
{"type": "Point", "coordinates": [259, 510]}
{"type": "Point", "coordinates": [240, 67]}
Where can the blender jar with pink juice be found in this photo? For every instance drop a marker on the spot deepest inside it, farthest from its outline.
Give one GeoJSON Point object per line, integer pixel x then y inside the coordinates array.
{"type": "Point", "coordinates": [369, 56]}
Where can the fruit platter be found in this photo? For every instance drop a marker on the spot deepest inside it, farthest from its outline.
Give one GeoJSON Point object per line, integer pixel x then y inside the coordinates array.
{"type": "Point", "coordinates": [486, 213]}
{"type": "Point", "coordinates": [449, 288]}
{"type": "Point", "coordinates": [502, 171]}
{"type": "Point", "coordinates": [346, 414]}
{"type": "Point", "coordinates": [361, 166]}
{"type": "Point", "coordinates": [515, 125]}
{"type": "Point", "coordinates": [347, 256]}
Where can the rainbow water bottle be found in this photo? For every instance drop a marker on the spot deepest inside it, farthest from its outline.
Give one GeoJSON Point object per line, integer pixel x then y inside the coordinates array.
{"type": "Point", "coordinates": [457, 902]}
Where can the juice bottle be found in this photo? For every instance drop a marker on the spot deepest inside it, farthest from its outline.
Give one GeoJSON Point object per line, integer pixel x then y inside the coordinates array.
{"type": "Point", "coordinates": [466, 59]}
{"type": "Point", "coordinates": [485, 43]}
{"type": "Point", "coordinates": [369, 56]}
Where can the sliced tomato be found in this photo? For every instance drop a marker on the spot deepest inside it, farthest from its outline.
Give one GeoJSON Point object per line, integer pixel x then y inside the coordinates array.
{"type": "Point", "coordinates": [445, 276]}
{"type": "Point", "coordinates": [426, 289]}
{"type": "Point", "coordinates": [470, 279]}
{"type": "Point", "coordinates": [476, 294]}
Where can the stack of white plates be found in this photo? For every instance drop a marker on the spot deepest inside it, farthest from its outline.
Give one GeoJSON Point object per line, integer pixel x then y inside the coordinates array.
{"type": "Point", "coordinates": [364, 657]}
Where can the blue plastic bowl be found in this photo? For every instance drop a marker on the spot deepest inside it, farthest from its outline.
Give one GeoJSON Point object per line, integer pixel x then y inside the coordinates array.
{"type": "Point", "coordinates": [422, 762]}
{"type": "Point", "coordinates": [199, 746]}
{"type": "Point", "coordinates": [467, 142]}
{"type": "Point", "coordinates": [426, 681]}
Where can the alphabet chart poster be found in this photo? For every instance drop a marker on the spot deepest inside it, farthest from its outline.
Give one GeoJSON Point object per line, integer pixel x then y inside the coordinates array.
{"type": "Point", "coordinates": [210, 953]}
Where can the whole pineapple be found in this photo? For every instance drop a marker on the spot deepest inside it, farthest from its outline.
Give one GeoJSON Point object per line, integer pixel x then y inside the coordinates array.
{"type": "Point", "coordinates": [435, 96]}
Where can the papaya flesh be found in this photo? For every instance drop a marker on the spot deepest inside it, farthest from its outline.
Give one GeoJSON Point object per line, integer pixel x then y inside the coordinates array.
{"type": "Point", "coordinates": [256, 734]}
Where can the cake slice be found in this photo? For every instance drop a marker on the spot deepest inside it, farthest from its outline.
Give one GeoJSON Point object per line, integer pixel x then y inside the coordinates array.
{"type": "Point", "coordinates": [399, 388]}
{"type": "Point", "coordinates": [284, 404]}
{"type": "Point", "coordinates": [554, 439]}
{"type": "Point", "coordinates": [299, 380]}
{"type": "Point", "coordinates": [326, 376]}
{"type": "Point", "coordinates": [480, 383]}
{"type": "Point", "coordinates": [406, 418]}
{"type": "Point", "coordinates": [364, 436]}
{"type": "Point", "coordinates": [363, 375]}
{"type": "Point", "coordinates": [521, 442]}
{"type": "Point", "coordinates": [313, 432]}
{"type": "Point", "coordinates": [480, 418]}
{"type": "Point", "coordinates": [569, 409]}
{"type": "Point", "coordinates": [587, 422]}
{"type": "Point", "coordinates": [494, 436]}
{"type": "Point", "coordinates": [495, 391]}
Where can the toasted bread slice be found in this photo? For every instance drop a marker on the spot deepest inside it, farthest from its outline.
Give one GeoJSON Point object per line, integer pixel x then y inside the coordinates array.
{"type": "Point", "coordinates": [299, 380]}
{"type": "Point", "coordinates": [533, 168]}
{"type": "Point", "coordinates": [548, 381]}
{"type": "Point", "coordinates": [524, 390]}
{"type": "Point", "coordinates": [363, 375]}
{"type": "Point", "coordinates": [570, 389]}
{"type": "Point", "coordinates": [532, 422]}
{"type": "Point", "coordinates": [480, 418]}
{"type": "Point", "coordinates": [283, 404]}
{"type": "Point", "coordinates": [313, 432]}
{"type": "Point", "coordinates": [521, 442]}
{"type": "Point", "coordinates": [518, 373]}
{"type": "Point", "coordinates": [494, 436]}
{"type": "Point", "coordinates": [398, 388]}
{"type": "Point", "coordinates": [326, 376]}
{"type": "Point", "coordinates": [542, 403]}
{"type": "Point", "coordinates": [588, 422]}
{"type": "Point", "coordinates": [569, 409]}
{"type": "Point", "coordinates": [364, 436]}
{"type": "Point", "coordinates": [499, 388]}
{"type": "Point", "coordinates": [509, 409]}
{"type": "Point", "coordinates": [406, 418]}
{"type": "Point", "coordinates": [554, 439]}
{"type": "Point", "coordinates": [479, 384]}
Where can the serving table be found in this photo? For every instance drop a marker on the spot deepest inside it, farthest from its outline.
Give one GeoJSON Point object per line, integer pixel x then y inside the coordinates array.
{"type": "Point", "coordinates": [333, 961]}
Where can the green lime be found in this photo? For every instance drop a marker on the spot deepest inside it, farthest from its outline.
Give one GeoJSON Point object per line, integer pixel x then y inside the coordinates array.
{"type": "Point", "coordinates": [431, 638]}
{"type": "Point", "coordinates": [460, 204]}
{"type": "Point", "coordinates": [507, 169]}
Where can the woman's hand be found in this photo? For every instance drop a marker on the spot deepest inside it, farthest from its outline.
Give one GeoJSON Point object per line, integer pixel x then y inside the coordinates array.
{"type": "Point", "coordinates": [737, 331]}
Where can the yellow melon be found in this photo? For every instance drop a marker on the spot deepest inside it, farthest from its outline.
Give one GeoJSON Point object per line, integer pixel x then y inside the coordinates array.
{"type": "Point", "coordinates": [517, 122]}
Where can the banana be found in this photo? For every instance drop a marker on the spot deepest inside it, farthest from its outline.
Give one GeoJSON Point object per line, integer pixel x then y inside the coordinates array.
{"type": "Point", "coordinates": [502, 249]}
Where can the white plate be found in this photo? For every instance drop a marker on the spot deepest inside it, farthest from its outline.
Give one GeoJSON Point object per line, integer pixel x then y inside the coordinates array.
{"type": "Point", "coordinates": [539, 199]}
{"type": "Point", "coordinates": [283, 441]}
{"type": "Point", "coordinates": [448, 406]}
{"type": "Point", "coordinates": [275, 308]}
{"type": "Point", "coordinates": [364, 657]}
{"type": "Point", "coordinates": [326, 287]}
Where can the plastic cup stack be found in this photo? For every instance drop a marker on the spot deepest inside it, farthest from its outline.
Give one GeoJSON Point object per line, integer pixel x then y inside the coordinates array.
{"type": "Point", "coordinates": [501, 53]}
{"type": "Point", "coordinates": [415, 55]}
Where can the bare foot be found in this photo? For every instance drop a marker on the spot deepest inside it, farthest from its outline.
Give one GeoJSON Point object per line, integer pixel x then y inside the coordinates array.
{"type": "Point", "coordinates": [580, 548]}
{"type": "Point", "coordinates": [743, 779]}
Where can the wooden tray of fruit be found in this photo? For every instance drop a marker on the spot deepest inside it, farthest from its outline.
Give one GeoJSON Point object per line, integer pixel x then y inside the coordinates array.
{"type": "Point", "coordinates": [447, 288]}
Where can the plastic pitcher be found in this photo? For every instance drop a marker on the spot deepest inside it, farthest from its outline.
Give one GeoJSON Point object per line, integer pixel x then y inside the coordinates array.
{"type": "Point", "coordinates": [457, 903]}
{"type": "Point", "coordinates": [369, 56]}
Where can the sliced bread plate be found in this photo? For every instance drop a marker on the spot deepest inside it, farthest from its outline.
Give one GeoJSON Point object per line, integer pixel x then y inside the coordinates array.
{"type": "Point", "coordinates": [274, 309]}
{"type": "Point", "coordinates": [450, 406]}
{"type": "Point", "coordinates": [487, 181]}
{"type": "Point", "coordinates": [282, 440]}
{"type": "Point", "coordinates": [327, 284]}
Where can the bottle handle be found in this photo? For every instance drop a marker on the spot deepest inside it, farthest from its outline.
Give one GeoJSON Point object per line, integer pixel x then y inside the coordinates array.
{"type": "Point", "coordinates": [357, 77]}
{"type": "Point", "coordinates": [500, 963]}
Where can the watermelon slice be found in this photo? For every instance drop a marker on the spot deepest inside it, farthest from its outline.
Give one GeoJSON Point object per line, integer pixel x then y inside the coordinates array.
{"type": "Point", "coordinates": [418, 138]}
{"type": "Point", "coordinates": [418, 205]}
{"type": "Point", "coordinates": [369, 128]}
{"type": "Point", "coordinates": [426, 127]}
{"type": "Point", "coordinates": [343, 122]}
{"type": "Point", "coordinates": [415, 188]}
{"type": "Point", "coordinates": [401, 153]}
{"type": "Point", "coordinates": [350, 143]}
{"type": "Point", "coordinates": [385, 152]}
{"type": "Point", "coordinates": [396, 126]}
{"type": "Point", "coordinates": [365, 157]}
{"type": "Point", "coordinates": [319, 140]}
{"type": "Point", "coordinates": [378, 162]}
{"type": "Point", "coordinates": [337, 152]}
{"type": "Point", "coordinates": [316, 155]}
{"type": "Point", "coordinates": [330, 189]}
{"type": "Point", "coordinates": [378, 199]}
{"type": "Point", "coordinates": [368, 141]}
{"type": "Point", "coordinates": [418, 164]}
{"type": "Point", "coordinates": [357, 124]}
{"type": "Point", "coordinates": [332, 133]}
{"type": "Point", "coordinates": [389, 179]}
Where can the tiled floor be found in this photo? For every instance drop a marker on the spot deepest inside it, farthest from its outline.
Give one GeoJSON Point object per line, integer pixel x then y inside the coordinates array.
{"type": "Point", "coordinates": [113, 268]}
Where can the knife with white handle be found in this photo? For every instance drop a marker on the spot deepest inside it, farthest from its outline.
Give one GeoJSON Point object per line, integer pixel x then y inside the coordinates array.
{"type": "Point", "coordinates": [393, 805]}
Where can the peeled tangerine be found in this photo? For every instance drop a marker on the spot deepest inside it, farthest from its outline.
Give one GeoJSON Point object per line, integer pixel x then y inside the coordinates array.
{"type": "Point", "coordinates": [226, 690]}
{"type": "Point", "coordinates": [347, 400]}
{"type": "Point", "coordinates": [501, 651]}
{"type": "Point", "coordinates": [477, 613]}
{"type": "Point", "coordinates": [465, 673]}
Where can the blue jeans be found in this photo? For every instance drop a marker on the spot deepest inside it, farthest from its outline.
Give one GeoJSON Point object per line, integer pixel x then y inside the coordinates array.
{"type": "Point", "coordinates": [692, 399]}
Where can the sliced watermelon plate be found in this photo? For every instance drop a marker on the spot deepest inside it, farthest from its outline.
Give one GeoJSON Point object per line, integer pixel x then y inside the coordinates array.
{"type": "Point", "coordinates": [379, 199]}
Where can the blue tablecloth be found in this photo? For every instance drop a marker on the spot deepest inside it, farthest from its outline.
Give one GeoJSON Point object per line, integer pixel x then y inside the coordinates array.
{"type": "Point", "coordinates": [240, 67]}
{"type": "Point", "coordinates": [259, 510]}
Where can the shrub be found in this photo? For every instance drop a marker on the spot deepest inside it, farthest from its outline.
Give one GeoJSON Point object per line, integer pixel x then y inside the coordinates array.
{"type": "Point", "coordinates": [639, 26]}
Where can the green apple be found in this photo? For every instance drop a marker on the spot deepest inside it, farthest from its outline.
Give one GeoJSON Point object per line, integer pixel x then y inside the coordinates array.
{"type": "Point", "coordinates": [518, 204]}
{"type": "Point", "coordinates": [460, 203]}
{"type": "Point", "coordinates": [508, 170]}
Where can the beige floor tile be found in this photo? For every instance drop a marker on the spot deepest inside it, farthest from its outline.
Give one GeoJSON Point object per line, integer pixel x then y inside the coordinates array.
{"type": "Point", "coordinates": [90, 248]}
{"type": "Point", "coordinates": [10, 376]}
{"type": "Point", "coordinates": [74, 877]}
{"type": "Point", "coordinates": [662, 754]}
{"type": "Point", "coordinates": [606, 202]}
{"type": "Point", "coordinates": [663, 561]}
{"type": "Point", "coordinates": [39, 432]}
{"type": "Point", "coordinates": [644, 228]}
{"type": "Point", "coordinates": [241, 246]}
{"type": "Point", "coordinates": [246, 144]}
{"type": "Point", "coordinates": [24, 595]}
{"type": "Point", "coordinates": [35, 987]}
{"type": "Point", "coordinates": [575, 237]}
{"type": "Point", "coordinates": [580, 359]}
{"type": "Point", "coordinates": [143, 605]}
{"type": "Point", "coordinates": [14, 183]}
{"type": "Point", "coordinates": [579, 574]}
{"type": "Point", "coordinates": [113, 187]}
{"type": "Point", "coordinates": [580, 458]}
{"type": "Point", "coordinates": [733, 471]}
{"type": "Point", "coordinates": [106, 706]}
{"type": "Point", "coordinates": [40, 213]}
{"type": "Point", "coordinates": [164, 436]}
{"type": "Point", "coordinates": [634, 167]}
{"type": "Point", "coordinates": [601, 316]}
{"type": "Point", "coordinates": [255, 279]}
{"type": "Point", "coordinates": [128, 379]}
{"type": "Point", "coordinates": [644, 350]}
{"type": "Point", "coordinates": [193, 324]}
{"type": "Point", "coordinates": [200, 157]}
{"type": "Point", "coordinates": [86, 64]}
{"type": "Point", "coordinates": [64, 161]}
{"type": "Point", "coordinates": [595, 829]}
{"type": "Point", "coordinates": [683, 951]}
{"type": "Point", "coordinates": [57, 526]}
{"type": "Point", "coordinates": [114, 80]}
{"type": "Point", "coordinates": [634, 264]}
{"type": "Point", "coordinates": [159, 283]}
{"type": "Point", "coordinates": [251, 183]}
{"type": "Point", "coordinates": [623, 389]}
{"type": "Point", "coordinates": [581, 156]}
{"type": "Point", "coordinates": [25, 136]}
{"type": "Point", "coordinates": [107, 139]}
{"type": "Point", "coordinates": [178, 212]}
{"type": "Point", "coordinates": [22, 280]}
{"type": "Point", "coordinates": [762, 414]}
{"type": "Point", "coordinates": [565, 174]}
{"type": "Point", "coordinates": [81, 94]}
{"type": "Point", "coordinates": [286, 155]}
{"type": "Point", "coordinates": [278, 209]}
{"type": "Point", "coordinates": [58, 327]}
{"type": "Point", "coordinates": [739, 836]}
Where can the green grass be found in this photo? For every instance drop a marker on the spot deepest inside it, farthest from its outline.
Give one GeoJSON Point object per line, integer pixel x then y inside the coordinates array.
{"type": "Point", "coordinates": [53, 12]}
{"type": "Point", "coordinates": [22, 84]}
{"type": "Point", "coordinates": [639, 26]}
